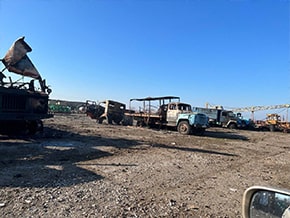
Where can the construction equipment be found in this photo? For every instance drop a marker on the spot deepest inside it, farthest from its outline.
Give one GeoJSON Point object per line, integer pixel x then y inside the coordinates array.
{"type": "Point", "coordinates": [257, 108]}
{"type": "Point", "coordinates": [108, 112]}
{"type": "Point", "coordinates": [273, 123]}
{"type": "Point", "coordinates": [22, 104]}
{"type": "Point", "coordinates": [170, 114]}
{"type": "Point", "coordinates": [253, 109]}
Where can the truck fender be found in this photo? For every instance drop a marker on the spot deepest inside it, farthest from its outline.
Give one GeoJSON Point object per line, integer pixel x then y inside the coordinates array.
{"type": "Point", "coordinates": [232, 125]}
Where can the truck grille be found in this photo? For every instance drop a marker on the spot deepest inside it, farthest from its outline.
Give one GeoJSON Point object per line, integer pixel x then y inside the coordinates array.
{"type": "Point", "coordinates": [13, 103]}
{"type": "Point", "coordinates": [202, 118]}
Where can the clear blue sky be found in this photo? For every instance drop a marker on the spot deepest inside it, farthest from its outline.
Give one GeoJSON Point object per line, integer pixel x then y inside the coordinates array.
{"type": "Point", "coordinates": [226, 52]}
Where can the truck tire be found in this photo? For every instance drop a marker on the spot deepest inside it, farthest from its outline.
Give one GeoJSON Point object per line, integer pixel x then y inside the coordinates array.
{"type": "Point", "coordinates": [105, 120]}
{"type": "Point", "coordinates": [184, 128]}
{"type": "Point", "coordinates": [140, 123]}
{"type": "Point", "coordinates": [127, 121]}
{"type": "Point", "coordinates": [233, 126]}
{"type": "Point", "coordinates": [117, 121]}
{"type": "Point", "coordinates": [272, 128]}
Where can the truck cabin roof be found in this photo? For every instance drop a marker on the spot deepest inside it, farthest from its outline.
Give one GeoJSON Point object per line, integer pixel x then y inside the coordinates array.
{"type": "Point", "coordinates": [156, 98]}
{"type": "Point", "coordinates": [162, 100]}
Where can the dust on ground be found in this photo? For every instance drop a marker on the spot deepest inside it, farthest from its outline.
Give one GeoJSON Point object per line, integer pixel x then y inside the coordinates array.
{"type": "Point", "coordinates": [78, 168]}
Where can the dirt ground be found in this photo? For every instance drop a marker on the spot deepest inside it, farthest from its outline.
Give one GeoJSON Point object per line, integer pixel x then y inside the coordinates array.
{"type": "Point", "coordinates": [78, 168]}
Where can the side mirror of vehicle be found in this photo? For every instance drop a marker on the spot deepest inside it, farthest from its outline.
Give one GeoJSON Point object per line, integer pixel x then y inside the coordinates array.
{"type": "Point", "coordinates": [259, 201]}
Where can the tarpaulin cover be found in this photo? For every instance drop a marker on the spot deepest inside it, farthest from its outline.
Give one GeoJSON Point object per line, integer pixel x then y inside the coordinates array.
{"type": "Point", "coordinates": [18, 62]}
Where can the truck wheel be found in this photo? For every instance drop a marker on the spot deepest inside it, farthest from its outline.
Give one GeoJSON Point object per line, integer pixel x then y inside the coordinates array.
{"type": "Point", "coordinates": [184, 128]}
{"type": "Point", "coordinates": [272, 128]}
{"type": "Point", "coordinates": [127, 121]}
{"type": "Point", "coordinates": [101, 120]}
{"type": "Point", "coordinates": [34, 126]}
{"type": "Point", "coordinates": [232, 126]}
{"type": "Point", "coordinates": [140, 123]}
{"type": "Point", "coordinates": [105, 120]}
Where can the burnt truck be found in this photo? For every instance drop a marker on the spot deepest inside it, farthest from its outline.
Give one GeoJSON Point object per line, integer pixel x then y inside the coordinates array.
{"type": "Point", "coordinates": [218, 117]}
{"type": "Point", "coordinates": [108, 112]}
{"type": "Point", "coordinates": [168, 112]}
{"type": "Point", "coordinates": [24, 100]}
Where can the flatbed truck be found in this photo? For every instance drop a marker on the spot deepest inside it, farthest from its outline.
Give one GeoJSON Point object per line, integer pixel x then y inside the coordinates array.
{"type": "Point", "coordinates": [170, 112]}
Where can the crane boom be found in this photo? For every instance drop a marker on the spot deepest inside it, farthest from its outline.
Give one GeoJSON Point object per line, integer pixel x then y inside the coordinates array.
{"type": "Point", "coordinates": [257, 108]}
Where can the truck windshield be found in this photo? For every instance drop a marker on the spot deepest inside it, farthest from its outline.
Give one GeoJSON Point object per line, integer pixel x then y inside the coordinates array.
{"type": "Point", "coordinates": [184, 107]}
{"type": "Point", "coordinates": [231, 114]}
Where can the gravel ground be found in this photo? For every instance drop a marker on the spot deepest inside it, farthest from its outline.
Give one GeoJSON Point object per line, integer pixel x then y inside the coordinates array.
{"type": "Point", "coordinates": [78, 168]}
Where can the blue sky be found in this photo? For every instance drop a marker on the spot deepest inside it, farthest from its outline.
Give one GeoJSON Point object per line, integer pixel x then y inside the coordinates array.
{"type": "Point", "coordinates": [233, 53]}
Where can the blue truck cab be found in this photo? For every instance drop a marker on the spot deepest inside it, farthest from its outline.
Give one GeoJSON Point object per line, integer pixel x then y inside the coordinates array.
{"type": "Point", "coordinates": [181, 116]}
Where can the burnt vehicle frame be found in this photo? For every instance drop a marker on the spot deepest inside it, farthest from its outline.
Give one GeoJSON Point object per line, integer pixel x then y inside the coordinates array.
{"type": "Point", "coordinates": [107, 112]}
{"type": "Point", "coordinates": [23, 104]}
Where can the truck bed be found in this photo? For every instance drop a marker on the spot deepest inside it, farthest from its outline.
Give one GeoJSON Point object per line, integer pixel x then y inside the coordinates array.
{"type": "Point", "coordinates": [157, 116]}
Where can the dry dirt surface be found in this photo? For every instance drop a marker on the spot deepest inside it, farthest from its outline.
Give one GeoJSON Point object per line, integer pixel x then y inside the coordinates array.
{"type": "Point", "coordinates": [78, 168]}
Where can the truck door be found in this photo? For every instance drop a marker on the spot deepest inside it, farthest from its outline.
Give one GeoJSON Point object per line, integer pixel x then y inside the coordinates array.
{"type": "Point", "coordinates": [224, 117]}
{"type": "Point", "coordinates": [218, 119]}
{"type": "Point", "coordinates": [172, 113]}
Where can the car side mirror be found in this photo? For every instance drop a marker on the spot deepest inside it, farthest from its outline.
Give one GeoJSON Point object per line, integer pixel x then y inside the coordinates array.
{"type": "Point", "coordinates": [259, 201]}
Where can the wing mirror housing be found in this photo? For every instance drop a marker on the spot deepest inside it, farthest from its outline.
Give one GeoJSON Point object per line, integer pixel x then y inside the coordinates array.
{"type": "Point", "coordinates": [260, 201]}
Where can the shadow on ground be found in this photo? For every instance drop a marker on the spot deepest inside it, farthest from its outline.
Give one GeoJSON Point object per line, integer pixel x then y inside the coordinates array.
{"type": "Point", "coordinates": [211, 132]}
{"type": "Point", "coordinates": [193, 150]}
{"type": "Point", "coordinates": [51, 159]}
{"type": "Point", "coordinates": [215, 133]}
{"type": "Point", "coordinates": [57, 158]}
